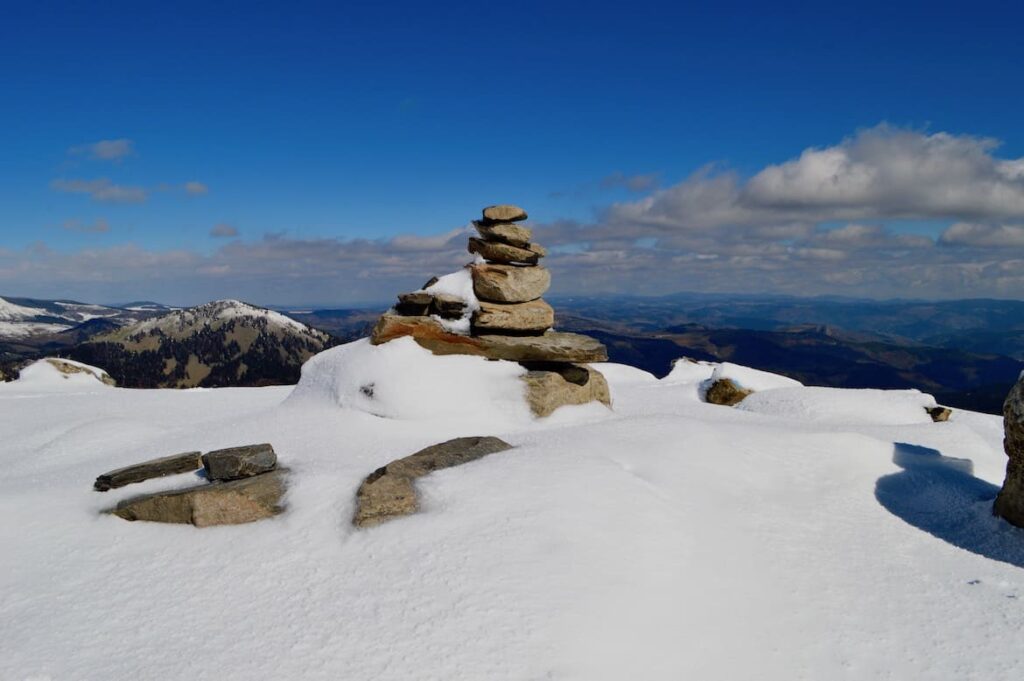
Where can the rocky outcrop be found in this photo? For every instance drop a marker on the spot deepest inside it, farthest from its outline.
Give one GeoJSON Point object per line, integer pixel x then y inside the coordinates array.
{"type": "Point", "coordinates": [154, 468]}
{"type": "Point", "coordinates": [389, 492]}
{"type": "Point", "coordinates": [1010, 502]}
{"type": "Point", "coordinates": [505, 318]}
{"type": "Point", "coordinates": [239, 462]}
{"type": "Point", "coordinates": [549, 387]}
{"type": "Point", "coordinates": [218, 503]}
{"type": "Point", "coordinates": [724, 391]}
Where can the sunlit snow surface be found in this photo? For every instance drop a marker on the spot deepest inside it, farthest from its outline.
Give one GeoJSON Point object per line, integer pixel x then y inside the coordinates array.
{"type": "Point", "coordinates": [669, 539]}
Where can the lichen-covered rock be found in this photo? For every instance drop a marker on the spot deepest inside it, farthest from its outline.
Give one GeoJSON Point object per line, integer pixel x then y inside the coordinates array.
{"type": "Point", "coordinates": [389, 491]}
{"type": "Point", "coordinates": [218, 503]}
{"type": "Point", "coordinates": [509, 283]}
{"type": "Point", "coordinates": [504, 213]}
{"type": "Point", "coordinates": [1010, 501]}
{"type": "Point", "coordinates": [239, 462]}
{"type": "Point", "coordinates": [724, 391]}
{"type": "Point", "coordinates": [549, 387]}
{"type": "Point", "coordinates": [548, 347]}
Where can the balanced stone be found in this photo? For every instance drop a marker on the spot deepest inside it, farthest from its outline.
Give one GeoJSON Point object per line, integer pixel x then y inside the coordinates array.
{"type": "Point", "coordinates": [239, 462]}
{"type": "Point", "coordinates": [504, 213]}
{"type": "Point", "coordinates": [154, 468]}
{"type": "Point", "coordinates": [534, 316]}
{"type": "Point", "coordinates": [549, 347]}
{"type": "Point", "coordinates": [496, 251]}
{"type": "Point", "coordinates": [509, 283]}
{"type": "Point", "coordinates": [219, 503]}
{"type": "Point", "coordinates": [549, 387]}
{"type": "Point", "coordinates": [1010, 502]}
{"type": "Point", "coordinates": [507, 232]}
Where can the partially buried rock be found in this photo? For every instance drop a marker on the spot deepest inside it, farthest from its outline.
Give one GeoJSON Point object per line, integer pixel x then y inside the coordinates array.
{"type": "Point", "coordinates": [549, 387]}
{"type": "Point", "coordinates": [725, 392]}
{"type": "Point", "coordinates": [219, 503]}
{"type": "Point", "coordinates": [1010, 501]}
{"type": "Point", "coordinates": [504, 213]}
{"type": "Point", "coordinates": [939, 414]}
{"type": "Point", "coordinates": [535, 316]}
{"type": "Point", "coordinates": [509, 283]}
{"type": "Point", "coordinates": [548, 347]}
{"type": "Point", "coordinates": [495, 251]}
{"type": "Point", "coordinates": [389, 492]}
{"type": "Point", "coordinates": [239, 462]}
{"type": "Point", "coordinates": [154, 468]}
{"type": "Point", "coordinates": [507, 232]}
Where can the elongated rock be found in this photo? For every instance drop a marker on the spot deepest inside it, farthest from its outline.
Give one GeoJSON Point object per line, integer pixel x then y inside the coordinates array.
{"type": "Point", "coordinates": [389, 492]}
{"type": "Point", "coordinates": [509, 283]}
{"type": "Point", "coordinates": [508, 232]}
{"type": "Point", "coordinates": [504, 213]}
{"type": "Point", "coordinates": [496, 251]}
{"type": "Point", "coordinates": [239, 462]}
{"type": "Point", "coordinates": [549, 347]}
{"type": "Point", "coordinates": [1010, 501]}
{"type": "Point", "coordinates": [154, 468]}
{"type": "Point", "coordinates": [218, 503]}
{"type": "Point", "coordinates": [535, 316]}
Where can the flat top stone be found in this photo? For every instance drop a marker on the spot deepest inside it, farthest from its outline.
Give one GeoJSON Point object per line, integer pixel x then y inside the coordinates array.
{"type": "Point", "coordinates": [239, 462]}
{"type": "Point", "coordinates": [504, 213]}
{"type": "Point", "coordinates": [510, 233]}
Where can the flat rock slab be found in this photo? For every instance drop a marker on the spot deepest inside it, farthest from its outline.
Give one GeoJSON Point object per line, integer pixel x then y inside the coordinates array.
{"type": "Point", "coordinates": [509, 283]}
{"type": "Point", "coordinates": [502, 253]}
{"type": "Point", "coordinates": [154, 468]}
{"type": "Point", "coordinates": [504, 213]}
{"type": "Point", "coordinates": [549, 347]}
{"type": "Point", "coordinates": [235, 463]}
{"type": "Point", "coordinates": [389, 491]}
{"type": "Point", "coordinates": [507, 232]}
{"type": "Point", "coordinates": [535, 316]}
{"type": "Point", "coordinates": [217, 503]}
{"type": "Point", "coordinates": [550, 387]}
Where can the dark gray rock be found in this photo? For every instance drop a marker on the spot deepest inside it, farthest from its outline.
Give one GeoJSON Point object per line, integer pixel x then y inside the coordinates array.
{"type": "Point", "coordinates": [239, 462]}
{"type": "Point", "coordinates": [154, 468]}
{"type": "Point", "coordinates": [1010, 501]}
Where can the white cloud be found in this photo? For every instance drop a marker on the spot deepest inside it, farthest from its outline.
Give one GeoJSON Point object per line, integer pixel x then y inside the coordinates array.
{"type": "Point", "coordinates": [105, 150]}
{"type": "Point", "coordinates": [102, 190]}
{"type": "Point", "coordinates": [984, 235]}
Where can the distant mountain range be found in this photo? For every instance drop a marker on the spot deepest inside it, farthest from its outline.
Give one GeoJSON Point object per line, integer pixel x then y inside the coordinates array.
{"type": "Point", "coordinates": [967, 353]}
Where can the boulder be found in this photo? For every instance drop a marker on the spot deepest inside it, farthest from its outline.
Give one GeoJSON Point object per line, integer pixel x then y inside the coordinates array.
{"type": "Point", "coordinates": [1010, 501]}
{"type": "Point", "coordinates": [939, 414]}
{"type": "Point", "coordinates": [218, 503]}
{"type": "Point", "coordinates": [507, 232]}
{"type": "Point", "coordinates": [389, 492]}
{"type": "Point", "coordinates": [509, 283]}
{"type": "Point", "coordinates": [234, 463]}
{"type": "Point", "coordinates": [504, 213]}
{"type": "Point", "coordinates": [549, 347]}
{"type": "Point", "coordinates": [549, 387]}
{"type": "Point", "coordinates": [496, 251]}
{"type": "Point", "coordinates": [725, 392]}
{"type": "Point", "coordinates": [535, 316]}
{"type": "Point", "coordinates": [154, 468]}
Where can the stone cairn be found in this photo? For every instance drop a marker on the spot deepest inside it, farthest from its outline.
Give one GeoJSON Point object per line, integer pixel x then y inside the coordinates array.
{"type": "Point", "coordinates": [512, 323]}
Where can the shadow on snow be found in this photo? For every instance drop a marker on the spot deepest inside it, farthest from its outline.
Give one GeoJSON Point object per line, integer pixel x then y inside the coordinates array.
{"type": "Point", "coordinates": [940, 495]}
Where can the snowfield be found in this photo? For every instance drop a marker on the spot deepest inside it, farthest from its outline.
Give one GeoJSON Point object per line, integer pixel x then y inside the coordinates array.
{"type": "Point", "coordinates": [809, 534]}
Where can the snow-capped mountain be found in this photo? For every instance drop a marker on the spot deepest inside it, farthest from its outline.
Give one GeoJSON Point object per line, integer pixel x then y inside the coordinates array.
{"type": "Point", "coordinates": [24, 318]}
{"type": "Point", "coordinates": [222, 343]}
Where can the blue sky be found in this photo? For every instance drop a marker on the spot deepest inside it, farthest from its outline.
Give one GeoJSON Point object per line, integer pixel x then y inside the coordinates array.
{"type": "Point", "coordinates": [317, 124]}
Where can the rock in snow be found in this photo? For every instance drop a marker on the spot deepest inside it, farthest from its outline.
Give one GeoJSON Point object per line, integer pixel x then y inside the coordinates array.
{"type": "Point", "coordinates": [1010, 502]}
{"type": "Point", "coordinates": [154, 468]}
{"type": "Point", "coordinates": [234, 463]}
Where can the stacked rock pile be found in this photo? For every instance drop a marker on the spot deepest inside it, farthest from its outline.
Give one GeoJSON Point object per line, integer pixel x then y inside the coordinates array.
{"type": "Point", "coordinates": [244, 484]}
{"type": "Point", "coordinates": [507, 317]}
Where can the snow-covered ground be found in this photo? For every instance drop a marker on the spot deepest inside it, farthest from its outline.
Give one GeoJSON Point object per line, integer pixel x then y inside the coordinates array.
{"type": "Point", "coordinates": [667, 539]}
